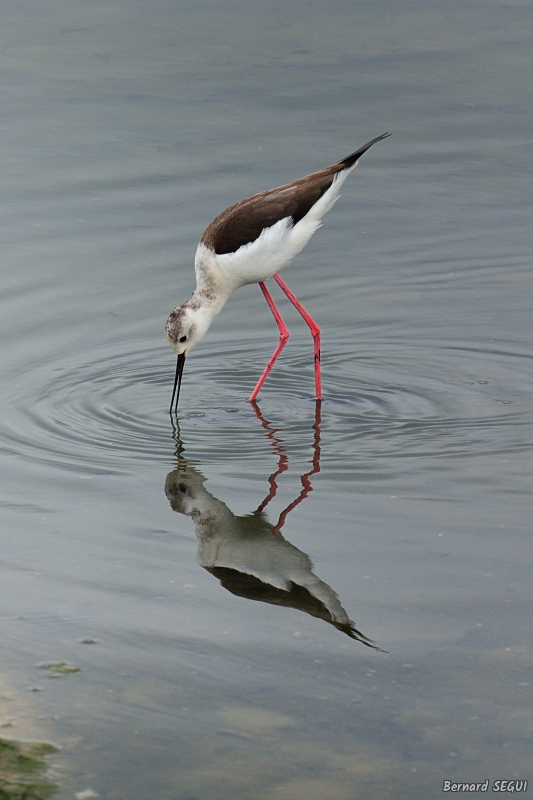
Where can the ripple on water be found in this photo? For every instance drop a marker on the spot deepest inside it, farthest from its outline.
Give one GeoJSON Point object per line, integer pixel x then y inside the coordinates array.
{"type": "Point", "coordinates": [384, 400]}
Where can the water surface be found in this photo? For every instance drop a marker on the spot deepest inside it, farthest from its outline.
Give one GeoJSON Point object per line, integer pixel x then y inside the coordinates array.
{"type": "Point", "coordinates": [282, 600]}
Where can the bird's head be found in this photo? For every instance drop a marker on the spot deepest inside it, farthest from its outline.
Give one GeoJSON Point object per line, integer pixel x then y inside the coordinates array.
{"type": "Point", "coordinates": [186, 326]}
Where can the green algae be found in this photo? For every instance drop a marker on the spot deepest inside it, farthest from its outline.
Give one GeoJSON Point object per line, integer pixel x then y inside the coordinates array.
{"type": "Point", "coordinates": [57, 669]}
{"type": "Point", "coordinates": [22, 770]}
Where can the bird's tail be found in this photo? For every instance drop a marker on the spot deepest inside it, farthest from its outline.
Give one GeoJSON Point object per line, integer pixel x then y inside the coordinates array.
{"type": "Point", "coordinates": [350, 160]}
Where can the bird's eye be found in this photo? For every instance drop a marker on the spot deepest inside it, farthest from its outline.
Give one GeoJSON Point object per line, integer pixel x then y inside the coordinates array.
{"type": "Point", "coordinates": [183, 338]}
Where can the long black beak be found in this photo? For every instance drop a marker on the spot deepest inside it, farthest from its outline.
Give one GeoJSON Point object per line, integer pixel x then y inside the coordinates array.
{"type": "Point", "coordinates": [177, 383]}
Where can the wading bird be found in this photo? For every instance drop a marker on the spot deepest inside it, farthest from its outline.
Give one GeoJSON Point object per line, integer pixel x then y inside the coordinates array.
{"type": "Point", "coordinates": [250, 242]}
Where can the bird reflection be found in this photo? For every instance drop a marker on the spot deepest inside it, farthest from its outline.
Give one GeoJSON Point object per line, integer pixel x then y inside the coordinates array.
{"type": "Point", "coordinates": [247, 553]}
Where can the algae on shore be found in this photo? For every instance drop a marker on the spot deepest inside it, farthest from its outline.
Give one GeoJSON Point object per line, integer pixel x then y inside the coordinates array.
{"type": "Point", "coordinates": [22, 770]}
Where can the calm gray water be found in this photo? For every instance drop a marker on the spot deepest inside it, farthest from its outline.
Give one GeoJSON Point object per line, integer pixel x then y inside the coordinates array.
{"type": "Point", "coordinates": [208, 593]}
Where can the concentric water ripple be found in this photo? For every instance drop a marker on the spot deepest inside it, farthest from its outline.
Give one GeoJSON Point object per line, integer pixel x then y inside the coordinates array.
{"type": "Point", "coordinates": [383, 400]}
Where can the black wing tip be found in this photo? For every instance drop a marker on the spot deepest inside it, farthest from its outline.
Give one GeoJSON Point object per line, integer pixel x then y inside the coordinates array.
{"type": "Point", "coordinates": [350, 160]}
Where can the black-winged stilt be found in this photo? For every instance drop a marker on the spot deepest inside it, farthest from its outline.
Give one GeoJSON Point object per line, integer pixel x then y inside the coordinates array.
{"type": "Point", "coordinates": [250, 242]}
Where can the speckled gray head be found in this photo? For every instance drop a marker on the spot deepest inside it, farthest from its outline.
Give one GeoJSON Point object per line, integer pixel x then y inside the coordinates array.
{"type": "Point", "coordinates": [188, 324]}
{"type": "Point", "coordinates": [179, 329]}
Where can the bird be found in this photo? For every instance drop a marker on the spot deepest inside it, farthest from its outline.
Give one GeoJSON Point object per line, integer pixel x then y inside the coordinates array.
{"type": "Point", "coordinates": [250, 242]}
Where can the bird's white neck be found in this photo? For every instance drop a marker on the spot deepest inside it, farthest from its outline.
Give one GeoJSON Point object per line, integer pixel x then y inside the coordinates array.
{"type": "Point", "coordinates": [203, 310]}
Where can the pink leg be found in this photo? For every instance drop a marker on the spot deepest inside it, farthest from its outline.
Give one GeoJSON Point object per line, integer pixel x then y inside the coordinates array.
{"type": "Point", "coordinates": [283, 338]}
{"type": "Point", "coordinates": [315, 331]}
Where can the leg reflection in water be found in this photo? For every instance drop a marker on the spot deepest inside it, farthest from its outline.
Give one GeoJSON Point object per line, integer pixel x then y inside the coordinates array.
{"type": "Point", "coordinates": [247, 553]}
{"type": "Point", "coordinates": [283, 464]}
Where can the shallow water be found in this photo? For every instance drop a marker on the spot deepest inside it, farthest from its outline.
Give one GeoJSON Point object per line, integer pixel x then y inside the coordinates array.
{"type": "Point", "coordinates": [216, 650]}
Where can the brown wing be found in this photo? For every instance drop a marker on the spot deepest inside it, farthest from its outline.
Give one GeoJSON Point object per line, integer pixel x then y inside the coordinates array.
{"type": "Point", "coordinates": [244, 221]}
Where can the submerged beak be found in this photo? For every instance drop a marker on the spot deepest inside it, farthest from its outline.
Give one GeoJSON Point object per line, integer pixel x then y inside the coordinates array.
{"type": "Point", "coordinates": [177, 383]}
